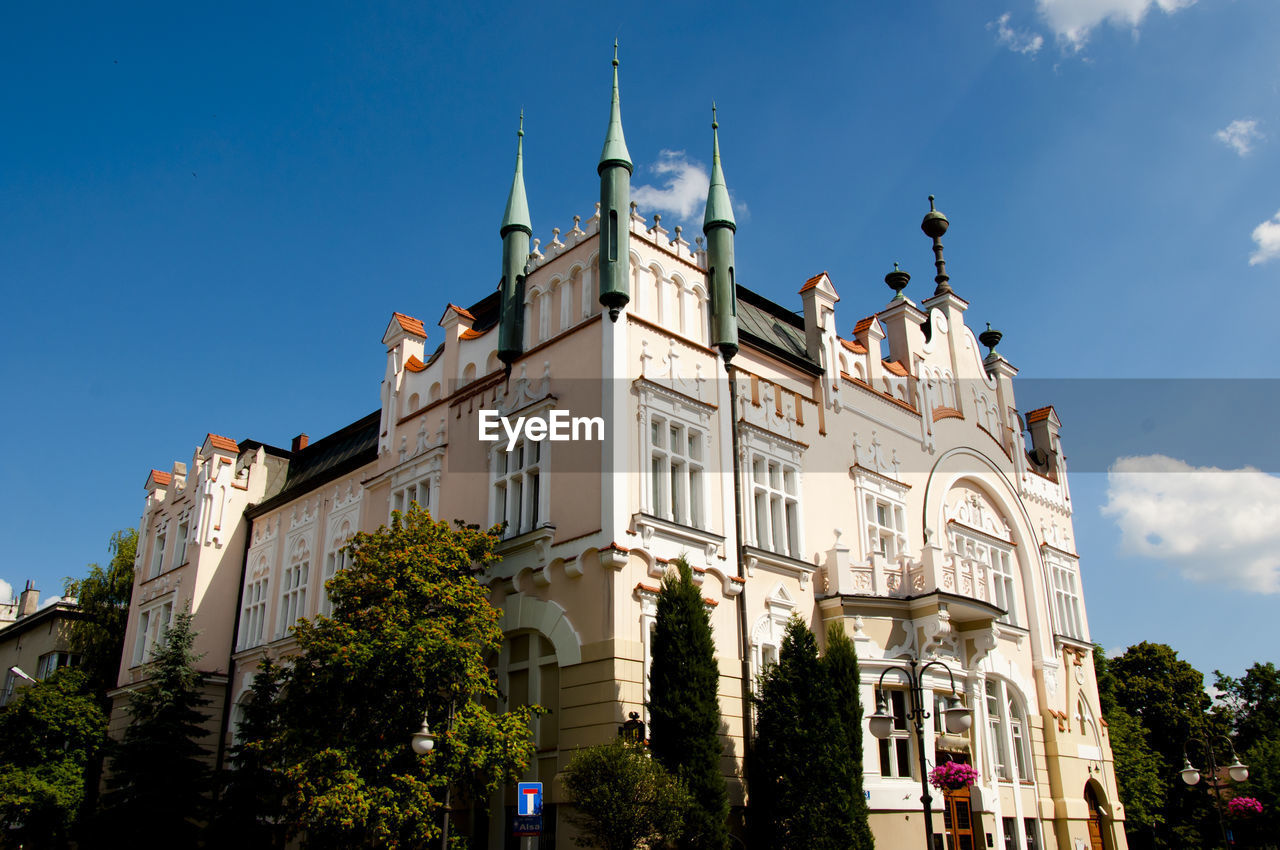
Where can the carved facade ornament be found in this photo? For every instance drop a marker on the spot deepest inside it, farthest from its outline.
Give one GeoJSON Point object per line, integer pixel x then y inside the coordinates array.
{"type": "Point", "coordinates": [975, 512]}
{"type": "Point", "coordinates": [872, 456]}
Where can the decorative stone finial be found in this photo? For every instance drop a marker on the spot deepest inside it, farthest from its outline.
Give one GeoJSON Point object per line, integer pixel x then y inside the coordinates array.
{"type": "Point", "coordinates": [897, 280]}
{"type": "Point", "coordinates": [990, 338]}
{"type": "Point", "coordinates": [934, 225]}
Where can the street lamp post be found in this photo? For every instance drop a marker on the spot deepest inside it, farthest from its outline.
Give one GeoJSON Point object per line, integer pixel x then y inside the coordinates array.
{"type": "Point", "coordinates": [958, 720]}
{"type": "Point", "coordinates": [1237, 771]}
{"type": "Point", "coordinates": [424, 741]}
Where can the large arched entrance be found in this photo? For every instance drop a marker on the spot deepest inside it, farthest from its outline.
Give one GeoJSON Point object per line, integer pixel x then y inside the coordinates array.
{"type": "Point", "coordinates": [1097, 828]}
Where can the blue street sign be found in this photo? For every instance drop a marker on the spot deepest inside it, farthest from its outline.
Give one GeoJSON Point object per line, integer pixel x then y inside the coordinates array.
{"type": "Point", "coordinates": [524, 826]}
{"type": "Point", "coordinates": [528, 799]}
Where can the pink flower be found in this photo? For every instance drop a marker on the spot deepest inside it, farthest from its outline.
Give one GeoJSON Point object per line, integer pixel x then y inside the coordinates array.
{"type": "Point", "coordinates": [952, 776]}
{"type": "Point", "coordinates": [1244, 807]}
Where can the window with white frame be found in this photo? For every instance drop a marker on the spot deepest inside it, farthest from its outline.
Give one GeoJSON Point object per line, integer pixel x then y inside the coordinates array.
{"type": "Point", "coordinates": [1009, 733]}
{"type": "Point", "coordinates": [676, 468]}
{"type": "Point", "coordinates": [153, 622]}
{"type": "Point", "coordinates": [335, 561]}
{"type": "Point", "coordinates": [882, 508]}
{"type": "Point", "coordinates": [180, 541]}
{"type": "Point", "coordinates": [532, 677]}
{"type": "Point", "coordinates": [775, 493]}
{"type": "Point", "coordinates": [999, 560]}
{"type": "Point", "coordinates": [293, 587]}
{"type": "Point", "coordinates": [253, 614]}
{"type": "Point", "coordinates": [896, 749]}
{"type": "Point", "coordinates": [157, 551]}
{"type": "Point", "coordinates": [1066, 599]}
{"type": "Point", "coordinates": [517, 486]}
{"type": "Point", "coordinates": [52, 661]}
{"type": "Point", "coordinates": [1084, 719]}
{"type": "Point", "coordinates": [415, 491]}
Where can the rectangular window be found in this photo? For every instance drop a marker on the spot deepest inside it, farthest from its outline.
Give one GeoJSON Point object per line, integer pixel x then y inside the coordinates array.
{"type": "Point", "coordinates": [403, 497]}
{"type": "Point", "coordinates": [895, 751]}
{"type": "Point", "coordinates": [999, 563]}
{"type": "Point", "coordinates": [1066, 600]}
{"type": "Point", "coordinates": [253, 615]}
{"type": "Point", "coordinates": [774, 486]}
{"type": "Point", "coordinates": [333, 563]}
{"type": "Point", "coordinates": [51, 661]}
{"type": "Point", "coordinates": [180, 544]}
{"type": "Point", "coordinates": [675, 470]}
{"type": "Point", "coordinates": [885, 527]}
{"type": "Point", "coordinates": [152, 624]}
{"type": "Point", "coordinates": [157, 554]}
{"type": "Point", "coordinates": [10, 680]}
{"type": "Point", "coordinates": [995, 722]}
{"type": "Point", "coordinates": [1031, 827]}
{"type": "Point", "coordinates": [1010, 826]}
{"type": "Point", "coordinates": [293, 599]}
{"type": "Point", "coordinates": [517, 488]}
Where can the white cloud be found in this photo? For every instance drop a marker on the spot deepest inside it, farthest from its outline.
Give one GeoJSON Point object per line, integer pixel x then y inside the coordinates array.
{"type": "Point", "coordinates": [684, 187]}
{"type": "Point", "coordinates": [6, 591]}
{"type": "Point", "coordinates": [1019, 41]}
{"type": "Point", "coordinates": [52, 599]}
{"type": "Point", "coordinates": [1267, 235]}
{"type": "Point", "coordinates": [1240, 135]}
{"type": "Point", "coordinates": [1073, 20]}
{"type": "Point", "coordinates": [1208, 524]}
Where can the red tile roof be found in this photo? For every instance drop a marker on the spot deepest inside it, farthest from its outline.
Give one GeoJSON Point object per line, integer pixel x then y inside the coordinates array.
{"type": "Point", "coordinates": [855, 347]}
{"type": "Point", "coordinates": [470, 333]}
{"type": "Point", "coordinates": [466, 314]}
{"type": "Point", "coordinates": [895, 367]}
{"type": "Point", "coordinates": [1039, 413]}
{"type": "Point", "coordinates": [812, 282]}
{"type": "Point", "coordinates": [863, 324]}
{"type": "Point", "coordinates": [410, 324]}
{"type": "Point", "coordinates": [222, 443]}
{"type": "Point", "coordinates": [413, 364]}
{"type": "Point", "coordinates": [161, 478]}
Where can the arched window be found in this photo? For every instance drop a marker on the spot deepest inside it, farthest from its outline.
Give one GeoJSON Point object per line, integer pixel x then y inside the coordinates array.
{"type": "Point", "coordinates": [253, 614]}
{"type": "Point", "coordinates": [333, 562]}
{"type": "Point", "coordinates": [293, 587]}
{"type": "Point", "coordinates": [530, 675]}
{"type": "Point", "coordinates": [1008, 732]}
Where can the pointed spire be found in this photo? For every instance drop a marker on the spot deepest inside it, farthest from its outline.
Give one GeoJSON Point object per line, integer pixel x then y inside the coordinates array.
{"type": "Point", "coordinates": [615, 145]}
{"type": "Point", "coordinates": [718, 207]}
{"type": "Point", "coordinates": [516, 216]}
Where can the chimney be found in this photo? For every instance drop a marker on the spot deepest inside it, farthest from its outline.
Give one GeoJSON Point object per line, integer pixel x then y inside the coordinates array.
{"type": "Point", "coordinates": [29, 601]}
{"type": "Point", "coordinates": [300, 442]}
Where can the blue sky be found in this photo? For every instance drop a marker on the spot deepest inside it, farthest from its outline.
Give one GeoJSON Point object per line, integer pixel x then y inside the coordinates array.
{"type": "Point", "coordinates": [209, 212]}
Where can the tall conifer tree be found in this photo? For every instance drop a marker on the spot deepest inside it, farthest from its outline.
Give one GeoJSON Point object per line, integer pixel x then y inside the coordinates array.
{"type": "Point", "coordinates": [160, 772]}
{"type": "Point", "coordinates": [684, 710]}
{"type": "Point", "coordinates": [841, 666]}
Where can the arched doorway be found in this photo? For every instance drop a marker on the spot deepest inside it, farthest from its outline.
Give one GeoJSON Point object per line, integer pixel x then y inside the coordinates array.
{"type": "Point", "coordinates": [1097, 830]}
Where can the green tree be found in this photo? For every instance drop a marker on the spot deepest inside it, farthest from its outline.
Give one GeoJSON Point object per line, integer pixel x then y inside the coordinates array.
{"type": "Point", "coordinates": [251, 805]}
{"type": "Point", "coordinates": [98, 636]}
{"type": "Point", "coordinates": [623, 799]}
{"type": "Point", "coordinates": [156, 793]}
{"type": "Point", "coordinates": [684, 708]}
{"type": "Point", "coordinates": [1138, 766]}
{"type": "Point", "coordinates": [1251, 705]}
{"type": "Point", "coordinates": [103, 596]}
{"type": "Point", "coordinates": [411, 629]}
{"type": "Point", "coordinates": [801, 755]}
{"type": "Point", "coordinates": [840, 665]}
{"type": "Point", "coordinates": [1166, 695]}
{"type": "Point", "coordinates": [48, 733]}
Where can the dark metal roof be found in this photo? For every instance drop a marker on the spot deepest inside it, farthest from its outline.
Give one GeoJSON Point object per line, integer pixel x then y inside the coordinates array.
{"type": "Point", "coordinates": [326, 459]}
{"type": "Point", "coordinates": [773, 328]}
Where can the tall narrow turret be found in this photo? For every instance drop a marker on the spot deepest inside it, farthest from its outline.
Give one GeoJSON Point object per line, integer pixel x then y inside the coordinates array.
{"type": "Point", "coordinates": [615, 209]}
{"type": "Point", "coordinates": [719, 227]}
{"type": "Point", "coordinates": [515, 231]}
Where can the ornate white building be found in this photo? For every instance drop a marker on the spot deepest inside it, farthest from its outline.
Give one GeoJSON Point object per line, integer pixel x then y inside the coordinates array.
{"type": "Point", "coordinates": [884, 477]}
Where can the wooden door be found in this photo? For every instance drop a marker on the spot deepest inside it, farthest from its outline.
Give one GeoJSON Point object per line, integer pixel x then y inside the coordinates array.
{"type": "Point", "coordinates": [957, 820]}
{"type": "Point", "coordinates": [1096, 841]}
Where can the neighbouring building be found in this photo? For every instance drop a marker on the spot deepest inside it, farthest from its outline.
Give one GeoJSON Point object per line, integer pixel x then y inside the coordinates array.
{"type": "Point", "coordinates": [34, 641]}
{"type": "Point", "coordinates": [887, 481]}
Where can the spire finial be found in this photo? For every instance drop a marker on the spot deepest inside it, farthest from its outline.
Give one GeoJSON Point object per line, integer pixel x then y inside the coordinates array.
{"type": "Point", "coordinates": [615, 145]}
{"type": "Point", "coordinates": [520, 132]}
{"type": "Point", "coordinates": [934, 225]}
{"type": "Point", "coordinates": [897, 281]}
{"type": "Point", "coordinates": [517, 212]}
{"type": "Point", "coordinates": [715, 125]}
{"type": "Point", "coordinates": [718, 206]}
{"type": "Point", "coordinates": [615, 53]}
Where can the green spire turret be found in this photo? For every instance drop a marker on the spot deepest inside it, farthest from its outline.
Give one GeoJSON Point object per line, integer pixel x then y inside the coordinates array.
{"type": "Point", "coordinates": [719, 227]}
{"type": "Point", "coordinates": [515, 232]}
{"type": "Point", "coordinates": [719, 210]}
{"type": "Point", "coordinates": [615, 209]}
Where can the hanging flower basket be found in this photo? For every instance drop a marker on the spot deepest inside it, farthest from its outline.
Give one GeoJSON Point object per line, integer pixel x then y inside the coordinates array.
{"type": "Point", "coordinates": [952, 776]}
{"type": "Point", "coordinates": [1244, 807]}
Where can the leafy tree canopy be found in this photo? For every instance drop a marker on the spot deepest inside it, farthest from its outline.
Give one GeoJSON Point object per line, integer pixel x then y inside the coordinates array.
{"type": "Point", "coordinates": [684, 707]}
{"type": "Point", "coordinates": [1252, 703]}
{"type": "Point", "coordinates": [48, 733]}
{"type": "Point", "coordinates": [410, 633]}
{"type": "Point", "coordinates": [623, 799]}
{"type": "Point", "coordinates": [104, 596]}
{"type": "Point", "coordinates": [1138, 768]}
